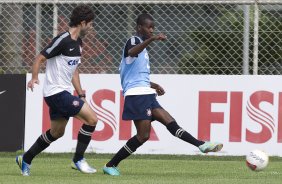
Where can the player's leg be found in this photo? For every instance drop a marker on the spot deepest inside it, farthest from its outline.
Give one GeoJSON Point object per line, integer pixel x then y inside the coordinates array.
{"type": "Point", "coordinates": [143, 134]}
{"type": "Point", "coordinates": [88, 116]}
{"type": "Point", "coordinates": [57, 130]}
{"type": "Point", "coordinates": [137, 108]}
{"type": "Point", "coordinates": [166, 119]}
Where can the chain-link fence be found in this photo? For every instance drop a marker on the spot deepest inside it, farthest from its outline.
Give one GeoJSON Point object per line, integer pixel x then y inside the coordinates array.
{"type": "Point", "coordinates": [204, 37]}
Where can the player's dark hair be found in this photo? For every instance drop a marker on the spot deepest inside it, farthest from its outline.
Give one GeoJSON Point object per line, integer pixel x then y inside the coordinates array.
{"type": "Point", "coordinates": [142, 18]}
{"type": "Point", "coordinates": [81, 13]}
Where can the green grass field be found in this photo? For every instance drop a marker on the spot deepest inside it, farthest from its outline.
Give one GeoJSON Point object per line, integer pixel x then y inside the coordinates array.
{"type": "Point", "coordinates": [142, 169]}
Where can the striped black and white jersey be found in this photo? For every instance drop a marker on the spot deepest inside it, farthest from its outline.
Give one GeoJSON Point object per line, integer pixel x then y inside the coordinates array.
{"type": "Point", "coordinates": [63, 56]}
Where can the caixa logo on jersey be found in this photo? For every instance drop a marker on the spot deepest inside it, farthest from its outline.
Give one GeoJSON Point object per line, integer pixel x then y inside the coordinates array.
{"type": "Point", "coordinates": [255, 117]}
{"type": "Point", "coordinates": [110, 123]}
{"type": "Point", "coordinates": [73, 62]}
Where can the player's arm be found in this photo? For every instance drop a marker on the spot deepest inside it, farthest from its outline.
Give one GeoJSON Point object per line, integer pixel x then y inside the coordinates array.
{"type": "Point", "coordinates": [35, 70]}
{"type": "Point", "coordinates": [160, 91]}
{"type": "Point", "coordinates": [52, 50]}
{"type": "Point", "coordinates": [135, 50]}
{"type": "Point", "coordinates": [76, 83]}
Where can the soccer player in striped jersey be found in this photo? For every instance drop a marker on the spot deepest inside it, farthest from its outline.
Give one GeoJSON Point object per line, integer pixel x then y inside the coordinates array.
{"type": "Point", "coordinates": [63, 55]}
{"type": "Point", "coordinates": [141, 104]}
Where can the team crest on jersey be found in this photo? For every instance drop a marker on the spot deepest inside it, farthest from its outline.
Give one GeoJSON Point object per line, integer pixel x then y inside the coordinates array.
{"type": "Point", "coordinates": [75, 103]}
{"type": "Point", "coordinates": [149, 112]}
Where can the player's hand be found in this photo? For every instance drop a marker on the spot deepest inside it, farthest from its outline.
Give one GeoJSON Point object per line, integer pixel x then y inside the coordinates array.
{"type": "Point", "coordinates": [30, 84]}
{"type": "Point", "coordinates": [160, 91]}
{"type": "Point", "coordinates": [160, 36]}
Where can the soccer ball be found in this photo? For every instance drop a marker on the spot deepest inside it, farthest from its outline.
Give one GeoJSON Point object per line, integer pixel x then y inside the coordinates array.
{"type": "Point", "coordinates": [257, 160]}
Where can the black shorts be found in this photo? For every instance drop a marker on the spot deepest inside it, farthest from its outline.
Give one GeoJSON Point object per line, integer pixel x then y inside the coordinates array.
{"type": "Point", "coordinates": [63, 105]}
{"type": "Point", "coordinates": [139, 107]}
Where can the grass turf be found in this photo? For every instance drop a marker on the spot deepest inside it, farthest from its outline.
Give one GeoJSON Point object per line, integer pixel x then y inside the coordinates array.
{"type": "Point", "coordinates": [142, 169]}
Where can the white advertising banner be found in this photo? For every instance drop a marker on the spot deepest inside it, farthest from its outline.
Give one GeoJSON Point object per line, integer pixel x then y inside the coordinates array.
{"type": "Point", "coordinates": [242, 112]}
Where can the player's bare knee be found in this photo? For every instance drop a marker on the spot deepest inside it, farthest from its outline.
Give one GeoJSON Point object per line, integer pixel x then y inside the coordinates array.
{"type": "Point", "coordinates": [57, 134]}
{"type": "Point", "coordinates": [144, 138]}
{"type": "Point", "coordinates": [92, 121]}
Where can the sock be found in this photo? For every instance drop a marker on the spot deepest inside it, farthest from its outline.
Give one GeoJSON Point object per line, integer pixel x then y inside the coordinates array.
{"type": "Point", "coordinates": [83, 139]}
{"type": "Point", "coordinates": [177, 131]}
{"type": "Point", "coordinates": [130, 147]}
{"type": "Point", "coordinates": [40, 144]}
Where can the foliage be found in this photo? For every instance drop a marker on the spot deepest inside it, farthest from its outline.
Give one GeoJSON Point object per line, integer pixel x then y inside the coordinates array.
{"type": "Point", "coordinates": [218, 48]}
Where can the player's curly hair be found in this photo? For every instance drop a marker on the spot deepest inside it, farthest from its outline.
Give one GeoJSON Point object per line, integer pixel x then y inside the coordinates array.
{"type": "Point", "coordinates": [81, 13]}
{"type": "Point", "coordinates": [142, 17]}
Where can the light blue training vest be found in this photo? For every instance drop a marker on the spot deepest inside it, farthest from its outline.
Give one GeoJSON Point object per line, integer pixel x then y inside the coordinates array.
{"type": "Point", "coordinates": [136, 72]}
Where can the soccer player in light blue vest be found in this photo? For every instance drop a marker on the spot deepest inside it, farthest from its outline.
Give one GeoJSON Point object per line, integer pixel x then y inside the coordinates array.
{"type": "Point", "coordinates": [141, 104]}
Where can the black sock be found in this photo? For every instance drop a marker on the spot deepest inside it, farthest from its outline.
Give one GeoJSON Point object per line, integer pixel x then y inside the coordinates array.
{"type": "Point", "coordinates": [130, 147]}
{"type": "Point", "coordinates": [177, 131]}
{"type": "Point", "coordinates": [83, 139]}
{"type": "Point", "coordinates": [40, 144]}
